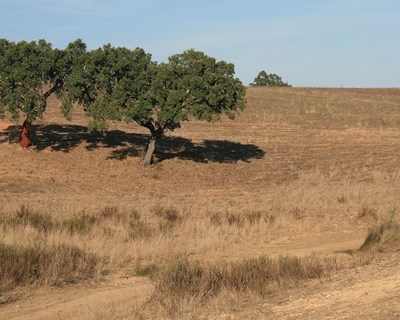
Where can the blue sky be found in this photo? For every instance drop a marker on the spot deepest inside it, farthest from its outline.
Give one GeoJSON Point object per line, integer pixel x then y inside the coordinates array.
{"type": "Point", "coordinates": [323, 43]}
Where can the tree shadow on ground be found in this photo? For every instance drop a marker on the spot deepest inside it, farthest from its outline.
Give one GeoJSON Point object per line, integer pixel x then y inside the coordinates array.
{"type": "Point", "coordinates": [64, 138]}
{"type": "Point", "coordinates": [222, 151]}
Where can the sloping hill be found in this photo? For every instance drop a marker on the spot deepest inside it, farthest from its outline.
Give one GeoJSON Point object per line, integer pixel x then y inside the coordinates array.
{"type": "Point", "coordinates": [301, 170]}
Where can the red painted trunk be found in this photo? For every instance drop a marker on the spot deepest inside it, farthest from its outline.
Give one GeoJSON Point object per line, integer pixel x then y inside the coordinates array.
{"type": "Point", "coordinates": [25, 136]}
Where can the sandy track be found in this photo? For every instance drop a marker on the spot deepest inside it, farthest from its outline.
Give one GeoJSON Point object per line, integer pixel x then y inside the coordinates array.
{"type": "Point", "coordinates": [77, 302]}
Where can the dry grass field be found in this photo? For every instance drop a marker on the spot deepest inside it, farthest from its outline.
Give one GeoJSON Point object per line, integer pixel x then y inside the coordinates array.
{"type": "Point", "coordinates": [287, 212]}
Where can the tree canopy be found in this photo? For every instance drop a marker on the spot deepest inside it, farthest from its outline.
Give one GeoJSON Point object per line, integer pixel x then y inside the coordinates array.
{"type": "Point", "coordinates": [265, 79]}
{"type": "Point", "coordinates": [118, 84]}
{"type": "Point", "coordinates": [30, 72]}
{"type": "Point", "coordinates": [110, 82]}
{"type": "Point", "coordinates": [25, 70]}
{"type": "Point", "coordinates": [121, 84]}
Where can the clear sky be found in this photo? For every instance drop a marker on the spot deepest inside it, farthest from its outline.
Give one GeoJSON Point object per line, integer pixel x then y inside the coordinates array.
{"type": "Point", "coordinates": [323, 43]}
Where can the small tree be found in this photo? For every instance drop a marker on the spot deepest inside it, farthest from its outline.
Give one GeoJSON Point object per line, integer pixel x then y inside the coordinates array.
{"type": "Point", "coordinates": [29, 73]}
{"type": "Point", "coordinates": [269, 80]}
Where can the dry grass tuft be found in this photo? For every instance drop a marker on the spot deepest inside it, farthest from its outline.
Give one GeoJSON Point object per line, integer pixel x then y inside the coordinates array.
{"type": "Point", "coordinates": [28, 217]}
{"type": "Point", "coordinates": [38, 265]}
{"type": "Point", "coordinates": [170, 217]}
{"type": "Point", "coordinates": [111, 212]}
{"type": "Point", "coordinates": [297, 213]}
{"type": "Point", "coordinates": [239, 219]}
{"type": "Point", "coordinates": [235, 219]}
{"type": "Point", "coordinates": [80, 223]}
{"type": "Point", "coordinates": [194, 280]}
{"type": "Point", "coordinates": [384, 236]}
{"type": "Point", "coordinates": [253, 217]}
{"type": "Point", "coordinates": [170, 214]}
{"type": "Point", "coordinates": [139, 229]}
{"type": "Point", "coordinates": [144, 270]}
{"type": "Point", "coordinates": [368, 212]}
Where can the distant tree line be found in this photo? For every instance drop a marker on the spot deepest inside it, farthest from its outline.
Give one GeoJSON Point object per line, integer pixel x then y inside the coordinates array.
{"type": "Point", "coordinates": [265, 79]}
{"type": "Point", "coordinates": [118, 84]}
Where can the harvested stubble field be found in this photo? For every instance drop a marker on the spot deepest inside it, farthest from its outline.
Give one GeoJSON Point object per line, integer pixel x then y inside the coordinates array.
{"type": "Point", "coordinates": [257, 218]}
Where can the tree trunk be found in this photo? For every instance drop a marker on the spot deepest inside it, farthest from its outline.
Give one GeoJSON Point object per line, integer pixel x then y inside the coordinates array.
{"type": "Point", "coordinates": [25, 135]}
{"type": "Point", "coordinates": [148, 159]}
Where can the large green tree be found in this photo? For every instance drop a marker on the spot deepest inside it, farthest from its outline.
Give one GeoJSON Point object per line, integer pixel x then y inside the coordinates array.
{"type": "Point", "coordinates": [30, 72]}
{"type": "Point", "coordinates": [191, 85]}
{"type": "Point", "coordinates": [159, 97]}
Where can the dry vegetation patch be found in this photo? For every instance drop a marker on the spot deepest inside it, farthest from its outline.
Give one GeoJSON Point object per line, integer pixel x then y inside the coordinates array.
{"type": "Point", "coordinates": [384, 236]}
{"type": "Point", "coordinates": [231, 208]}
{"type": "Point", "coordinates": [44, 265]}
{"type": "Point", "coordinates": [185, 280]}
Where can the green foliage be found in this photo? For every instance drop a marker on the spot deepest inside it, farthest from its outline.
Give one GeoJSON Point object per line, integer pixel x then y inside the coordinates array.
{"type": "Point", "coordinates": [24, 70]}
{"type": "Point", "coordinates": [122, 84]}
{"type": "Point", "coordinates": [117, 84]}
{"type": "Point", "coordinates": [30, 72]}
{"type": "Point", "coordinates": [67, 62]}
{"type": "Point", "coordinates": [114, 84]}
{"type": "Point", "coordinates": [190, 85]}
{"type": "Point", "coordinates": [265, 79]}
{"type": "Point", "coordinates": [110, 82]}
